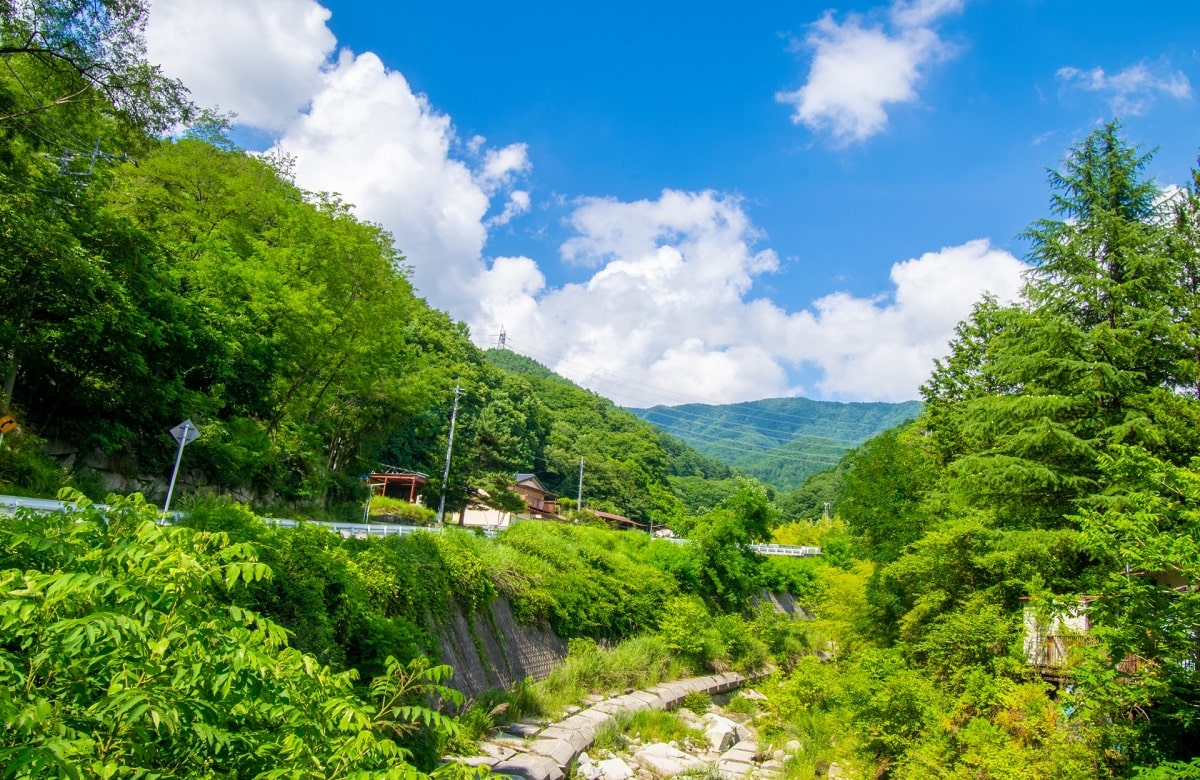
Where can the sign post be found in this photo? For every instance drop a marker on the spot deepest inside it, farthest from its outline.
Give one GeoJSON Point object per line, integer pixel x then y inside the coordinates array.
{"type": "Point", "coordinates": [185, 433]}
{"type": "Point", "coordinates": [7, 425]}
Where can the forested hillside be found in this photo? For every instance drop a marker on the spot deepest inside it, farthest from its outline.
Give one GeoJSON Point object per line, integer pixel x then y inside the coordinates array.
{"type": "Point", "coordinates": [780, 441]}
{"type": "Point", "coordinates": [160, 279]}
{"type": "Point", "coordinates": [1053, 473]}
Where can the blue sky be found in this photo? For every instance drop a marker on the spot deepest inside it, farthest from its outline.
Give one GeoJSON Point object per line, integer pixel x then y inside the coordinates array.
{"type": "Point", "coordinates": [675, 202]}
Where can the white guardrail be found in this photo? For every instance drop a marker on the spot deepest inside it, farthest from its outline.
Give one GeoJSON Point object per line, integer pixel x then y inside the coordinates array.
{"type": "Point", "coordinates": [9, 504]}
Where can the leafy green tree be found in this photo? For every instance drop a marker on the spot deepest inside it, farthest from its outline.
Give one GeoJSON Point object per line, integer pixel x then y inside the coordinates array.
{"type": "Point", "coordinates": [1041, 389]}
{"type": "Point", "coordinates": [121, 656]}
{"type": "Point", "coordinates": [87, 51]}
{"type": "Point", "coordinates": [1148, 610]}
{"type": "Point", "coordinates": [883, 488]}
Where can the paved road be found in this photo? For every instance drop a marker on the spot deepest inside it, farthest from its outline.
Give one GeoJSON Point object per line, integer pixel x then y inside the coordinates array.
{"type": "Point", "coordinates": [9, 504]}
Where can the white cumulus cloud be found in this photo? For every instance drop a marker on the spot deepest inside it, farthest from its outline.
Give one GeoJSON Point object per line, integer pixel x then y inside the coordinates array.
{"type": "Point", "coordinates": [1132, 90]}
{"type": "Point", "coordinates": [261, 59]}
{"type": "Point", "coordinates": [667, 315]}
{"type": "Point", "coordinates": [664, 301]}
{"type": "Point", "coordinates": [860, 68]}
{"type": "Point", "coordinates": [387, 150]}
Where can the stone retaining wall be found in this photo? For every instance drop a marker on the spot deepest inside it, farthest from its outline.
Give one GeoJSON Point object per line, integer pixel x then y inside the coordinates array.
{"type": "Point", "coordinates": [490, 649]}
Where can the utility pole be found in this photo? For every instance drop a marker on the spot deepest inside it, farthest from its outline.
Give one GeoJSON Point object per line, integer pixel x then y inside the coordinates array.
{"type": "Point", "coordinates": [449, 450]}
{"type": "Point", "coordinates": [579, 497]}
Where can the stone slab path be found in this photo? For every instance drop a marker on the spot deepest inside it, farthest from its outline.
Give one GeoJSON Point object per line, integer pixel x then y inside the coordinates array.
{"type": "Point", "coordinates": [546, 753]}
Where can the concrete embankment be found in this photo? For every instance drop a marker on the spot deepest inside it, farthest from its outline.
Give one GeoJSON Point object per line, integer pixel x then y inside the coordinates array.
{"type": "Point", "coordinates": [548, 753]}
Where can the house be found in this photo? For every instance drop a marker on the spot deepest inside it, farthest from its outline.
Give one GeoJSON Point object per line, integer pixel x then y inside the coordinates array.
{"type": "Point", "coordinates": [1050, 639]}
{"type": "Point", "coordinates": [540, 504]}
{"type": "Point", "coordinates": [478, 514]}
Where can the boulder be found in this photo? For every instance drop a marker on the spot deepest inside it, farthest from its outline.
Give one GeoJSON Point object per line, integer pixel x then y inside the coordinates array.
{"type": "Point", "coordinates": [615, 769]}
{"type": "Point", "coordinates": [666, 761]}
{"type": "Point", "coordinates": [721, 732]}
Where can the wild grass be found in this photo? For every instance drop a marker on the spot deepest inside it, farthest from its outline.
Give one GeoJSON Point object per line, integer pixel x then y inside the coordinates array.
{"type": "Point", "coordinates": [640, 662]}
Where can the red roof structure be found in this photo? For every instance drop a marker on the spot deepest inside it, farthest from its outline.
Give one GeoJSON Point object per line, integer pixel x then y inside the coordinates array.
{"type": "Point", "coordinates": [404, 483]}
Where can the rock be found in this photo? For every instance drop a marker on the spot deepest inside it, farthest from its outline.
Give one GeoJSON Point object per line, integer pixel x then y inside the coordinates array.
{"type": "Point", "coordinates": [666, 761]}
{"type": "Point", "coordinates": [615, 769]}
{"type": "Point", "coordinates": [530, 767]}
{"type": "Point", "coordinates": [690, 719]}
{"type": "Point", "coordinates": [721, 732]}
{"type": "Point", "coordinates": [836, 772]}
{"type": "Point", "coordinates": [584, 768]}
{"type": "Point", "coordinates": [735, 768]}
{"type": "Point", "coordinates": [793, 746]}
{"type": "Point", "coordinates": [523, 729]}
{"type": "Point", "coordinates": [753, 695]}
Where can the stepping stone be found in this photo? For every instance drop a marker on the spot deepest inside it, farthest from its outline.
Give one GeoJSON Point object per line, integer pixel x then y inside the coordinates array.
{"type": "Point", "coordinates": [523, 729]}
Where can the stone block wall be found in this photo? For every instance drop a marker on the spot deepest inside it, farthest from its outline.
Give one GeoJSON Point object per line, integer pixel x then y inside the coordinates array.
{"type": "Point", "coordinates": [492, 650]}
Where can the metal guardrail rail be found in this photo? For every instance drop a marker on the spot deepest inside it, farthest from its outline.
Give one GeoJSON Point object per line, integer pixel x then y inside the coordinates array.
{"type": "Point", "coordinates": [9, 504]}
{"type": "Point", "coordinates": [783, 549]}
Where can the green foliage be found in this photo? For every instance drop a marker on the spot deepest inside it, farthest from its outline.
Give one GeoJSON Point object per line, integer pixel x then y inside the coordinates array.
{"type": "Point", "coordinates": [397, 510]}
{"type": "Point", "coordinates": [1054, 461]}
{"type": "Point", "coordinates": [689, 633]}
{"type": "Point", "coordinates": [641, 662]}
{"type": "Point", "coordinates": [24, 469]}
{"type": "Point", "coordinates": [588, 582]}
{"type": "Point", "coordinates": [779, 441]}
{"type": "Point", "coordinates": [661, 726]}
{"type": "Point", "coordinates": [882, 490]}
{"type": "Point", "coordinates": [122, 656]}
{"type": "Point", "coordinates": [1148, 610]}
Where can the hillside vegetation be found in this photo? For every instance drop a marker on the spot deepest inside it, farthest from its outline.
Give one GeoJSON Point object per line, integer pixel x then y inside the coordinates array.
{"type": "Point", "coordinates": [780, 441]}
{"type": "Point", "coordinates": [1052, 473]}
{"type": "Point", "coordinates": [184, 278]}
{"type": "Point", "coordinates": [227, 648]}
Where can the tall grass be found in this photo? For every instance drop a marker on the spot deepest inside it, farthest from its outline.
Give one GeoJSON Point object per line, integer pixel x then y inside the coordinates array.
{"type": "Point", "coordinates": [640, 662]}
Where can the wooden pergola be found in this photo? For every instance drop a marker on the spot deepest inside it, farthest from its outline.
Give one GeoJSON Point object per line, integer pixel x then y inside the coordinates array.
{"type": "Point", "coordinates": [402, 482]}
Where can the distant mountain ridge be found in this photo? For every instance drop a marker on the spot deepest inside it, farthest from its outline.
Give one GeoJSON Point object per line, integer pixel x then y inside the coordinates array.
{"type": "Point", "coordinates": [780, 441]}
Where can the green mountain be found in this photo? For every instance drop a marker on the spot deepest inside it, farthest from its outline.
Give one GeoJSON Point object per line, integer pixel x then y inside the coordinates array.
{"type": "Point", "coordinates": [780, 441]}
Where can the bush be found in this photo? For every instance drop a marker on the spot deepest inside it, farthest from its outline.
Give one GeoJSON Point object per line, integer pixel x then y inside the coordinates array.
{"type": "Point", "coordinates": [396, 510]}
{"type": "Point", "coordinates": [25, 470]}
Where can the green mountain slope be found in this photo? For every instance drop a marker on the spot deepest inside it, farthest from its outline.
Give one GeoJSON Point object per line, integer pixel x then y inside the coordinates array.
{"type": "Point", "coordinates": [627, 460]}
{"type": "Point", "coordinates": [781, 441]}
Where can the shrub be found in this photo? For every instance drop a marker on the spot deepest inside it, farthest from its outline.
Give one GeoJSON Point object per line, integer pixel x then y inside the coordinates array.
{"type": "Point", "coordinates": [395, 510]}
